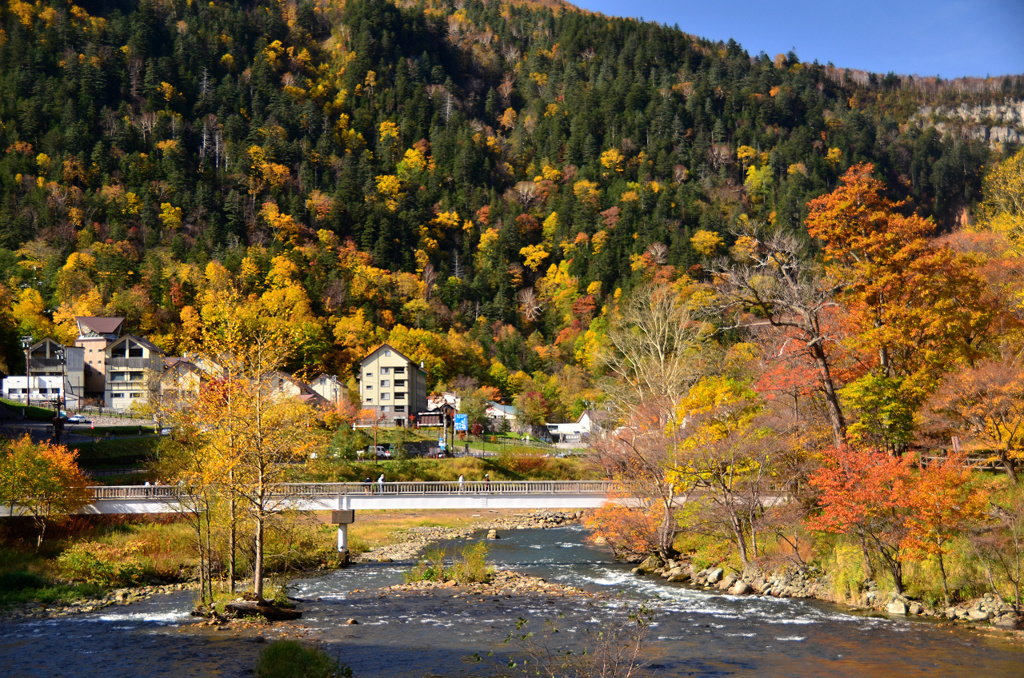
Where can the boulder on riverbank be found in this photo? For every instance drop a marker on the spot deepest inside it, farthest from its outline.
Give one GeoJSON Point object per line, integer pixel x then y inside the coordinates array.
{"type": "Point", "coordinates": [808, 581]}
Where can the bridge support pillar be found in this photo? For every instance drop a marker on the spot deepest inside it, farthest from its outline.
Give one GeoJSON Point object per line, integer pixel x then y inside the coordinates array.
{"type": "Point", "coordinates": [342, 538]}
{"type": "Point", "coordinates": [343, 518]}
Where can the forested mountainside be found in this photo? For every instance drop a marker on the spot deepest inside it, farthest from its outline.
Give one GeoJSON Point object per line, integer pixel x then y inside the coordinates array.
{"type": "Point", "coordinates": [472, 181]}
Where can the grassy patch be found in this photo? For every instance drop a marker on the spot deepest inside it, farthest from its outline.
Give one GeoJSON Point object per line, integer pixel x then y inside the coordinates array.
{"type": "Point", "coordinates": [33, 412]}
{"type": "Point", "coordinates": [114, 453]}
{"type": "Point", "coordinates": [19, 587]}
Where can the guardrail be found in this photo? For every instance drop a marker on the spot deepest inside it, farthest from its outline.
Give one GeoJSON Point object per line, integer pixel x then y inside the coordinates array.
{"type": "Point", "coordinates": [507, 487]}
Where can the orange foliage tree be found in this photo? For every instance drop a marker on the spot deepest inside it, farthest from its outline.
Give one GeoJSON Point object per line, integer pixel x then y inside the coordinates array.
{"type": "Point", "coordinates": [43, 480]}
{"type": "Point", "coordinates": [917, 307]}
{"type": "Point", "coordinates": [944, 503]}
{"type": "Point", "coordinates": [985, 404]}
{"type": "Point", "coordinates": [638, 456]}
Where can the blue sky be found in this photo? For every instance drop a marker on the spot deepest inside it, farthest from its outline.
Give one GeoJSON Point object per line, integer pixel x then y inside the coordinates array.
{"type": "Point", "coordinates": [949, 38]}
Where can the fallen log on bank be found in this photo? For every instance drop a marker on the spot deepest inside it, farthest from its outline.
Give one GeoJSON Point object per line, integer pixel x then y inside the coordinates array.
{"type": "Point", "coordinates": [247, 608]}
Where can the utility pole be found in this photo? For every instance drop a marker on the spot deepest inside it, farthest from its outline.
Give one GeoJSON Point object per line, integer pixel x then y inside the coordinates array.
{"type": "Point", "coordinates": [26, 343]}
{"type": "Point", "coordinates": [58, 423]}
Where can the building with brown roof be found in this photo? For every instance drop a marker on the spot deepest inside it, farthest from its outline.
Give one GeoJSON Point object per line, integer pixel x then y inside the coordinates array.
{"type": "Point", "coordinates": [95, 334]}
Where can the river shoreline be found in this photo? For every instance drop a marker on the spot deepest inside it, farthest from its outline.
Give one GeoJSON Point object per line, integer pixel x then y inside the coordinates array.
{"type": "Point", "coordinates": [409, 544]}
{"type": "Point", "coordinates": [379, 625]}
{"type": "Point", "coordinates": [985, 613]}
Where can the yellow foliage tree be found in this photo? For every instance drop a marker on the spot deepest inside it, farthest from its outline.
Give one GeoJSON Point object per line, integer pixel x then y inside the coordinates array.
{"type": "Point", "coordinates": [533, 255]}
{"type": "Point", "coordinates": [88, 304]}
{"type": "Point", "coordinates": [285, 228]}
{"type": "Point", "coordinates": [706, 243]}
{"type": "Point", "coordinates": [1003, 206]}
{"type": "Point", "coordinates": [612, 160]}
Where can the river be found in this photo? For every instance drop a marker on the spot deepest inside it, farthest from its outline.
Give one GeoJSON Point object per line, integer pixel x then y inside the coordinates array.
{"type": "Point", "coordinates": [694, 633]}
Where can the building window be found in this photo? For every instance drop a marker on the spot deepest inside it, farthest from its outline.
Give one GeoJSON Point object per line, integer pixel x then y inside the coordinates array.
{"type": "Point", "coordinates": [387, 352]}
{"type": "Point", "coordinates": [369, 373]}
{"type": "Point", "coordinates": [399, 370]}
{"type": "Point", "coordinates": [118, 395]}
{"type": "Point", "coordinates": [385, 383]}
{"type": "Point", "coordinates": [399, 408]}
{"type": "Point", "coordinates": [385, 370]}
{"type": "Point", "coordinates": [385, 396]}
{"type": "Point", "coordinates": [369, 387]}
{"type": "Point", "coordinates": [369, 400]}
{"type": "Point", "coordinates": [399, 383]}
{"type": "Point", "coordinates": [399, 396]}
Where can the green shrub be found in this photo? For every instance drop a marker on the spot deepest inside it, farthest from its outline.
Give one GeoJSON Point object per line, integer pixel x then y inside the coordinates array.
{"type": "Point", "coordinates": [291, 659]}
{"type": "Point", "coordinates": [471, 565]}
{"type": "Point", "coordinates": [429, 568]}
{"type": "Point", "coordinates": [101, 564]}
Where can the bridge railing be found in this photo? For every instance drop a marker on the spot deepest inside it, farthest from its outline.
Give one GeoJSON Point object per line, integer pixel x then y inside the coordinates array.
{"type": "Point", "coordinates": [566, 487]}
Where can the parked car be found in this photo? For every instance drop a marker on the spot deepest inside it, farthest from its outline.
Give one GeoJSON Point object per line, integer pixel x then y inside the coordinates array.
{"type": "Point", "coordinates": [78, 419]}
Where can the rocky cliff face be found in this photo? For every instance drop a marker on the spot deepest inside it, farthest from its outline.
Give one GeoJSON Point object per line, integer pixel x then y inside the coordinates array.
{"type": "Point", "coordinates": [993, 123]}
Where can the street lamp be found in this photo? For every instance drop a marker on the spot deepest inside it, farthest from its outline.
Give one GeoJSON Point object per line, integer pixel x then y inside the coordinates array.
{"type": "Point", "coordinates": [26, 343]}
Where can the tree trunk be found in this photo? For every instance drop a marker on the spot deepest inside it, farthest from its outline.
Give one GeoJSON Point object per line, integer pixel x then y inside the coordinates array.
{"type": "Point", "coordinates": [741, 542]}
{"type": "Point", "coordinates": [202, 559]}
{"type": "Point", "coordinates": [668, 530]}
{"type": "Point", "coordinates": [835, 411]}
{"type": "Point", "coordinates": [209, 554]}
{"type": "Point", "coordinates": [869, 571]}
{"type": "Point", "coordinates": [1009, 465]}
{"type": "Point", "coordinates": [257, 576]}
{"type": "Point", "coordinates": [945, 584]}
{"type": "Point", "coordinates": [232, 547]}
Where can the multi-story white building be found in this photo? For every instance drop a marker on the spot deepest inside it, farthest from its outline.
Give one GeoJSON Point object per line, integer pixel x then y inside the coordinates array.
{"type": "Point", "coordinates": [392, 386]}
{"type": "Point", "coordinates": [133, 368]}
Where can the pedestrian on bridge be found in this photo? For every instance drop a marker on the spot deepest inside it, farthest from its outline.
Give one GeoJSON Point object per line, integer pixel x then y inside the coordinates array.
{"type": "Point", "coordinates": [368, 484]}
{"type": "Point", "coordinates": [487, 482]}
{"type": "Point", "coordinates": [462, 482]}
{"type": "Point", "coordinates": [380, 483]}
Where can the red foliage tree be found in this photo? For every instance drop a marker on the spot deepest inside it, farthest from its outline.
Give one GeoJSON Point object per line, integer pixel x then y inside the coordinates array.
{"type": "Point", "coordinates": [864, 493]}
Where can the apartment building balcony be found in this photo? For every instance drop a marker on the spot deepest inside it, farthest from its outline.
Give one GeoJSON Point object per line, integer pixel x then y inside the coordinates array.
{"type": "Point", "coordinates": [45, 364]}
{"type": "Point", "coordinates": [129, 363]}
{"type": "Point", "coordinates": [127, 386]}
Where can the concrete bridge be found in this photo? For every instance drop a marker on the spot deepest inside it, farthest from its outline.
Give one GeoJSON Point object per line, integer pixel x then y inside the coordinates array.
{"type": "Point", "coordinates": [477, 494]}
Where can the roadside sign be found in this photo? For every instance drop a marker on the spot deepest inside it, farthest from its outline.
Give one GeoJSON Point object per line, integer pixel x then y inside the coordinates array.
{"type": "Point", "coordinates": [440, 443]}
{"type": "Point", "coordinates": [461, 422]}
